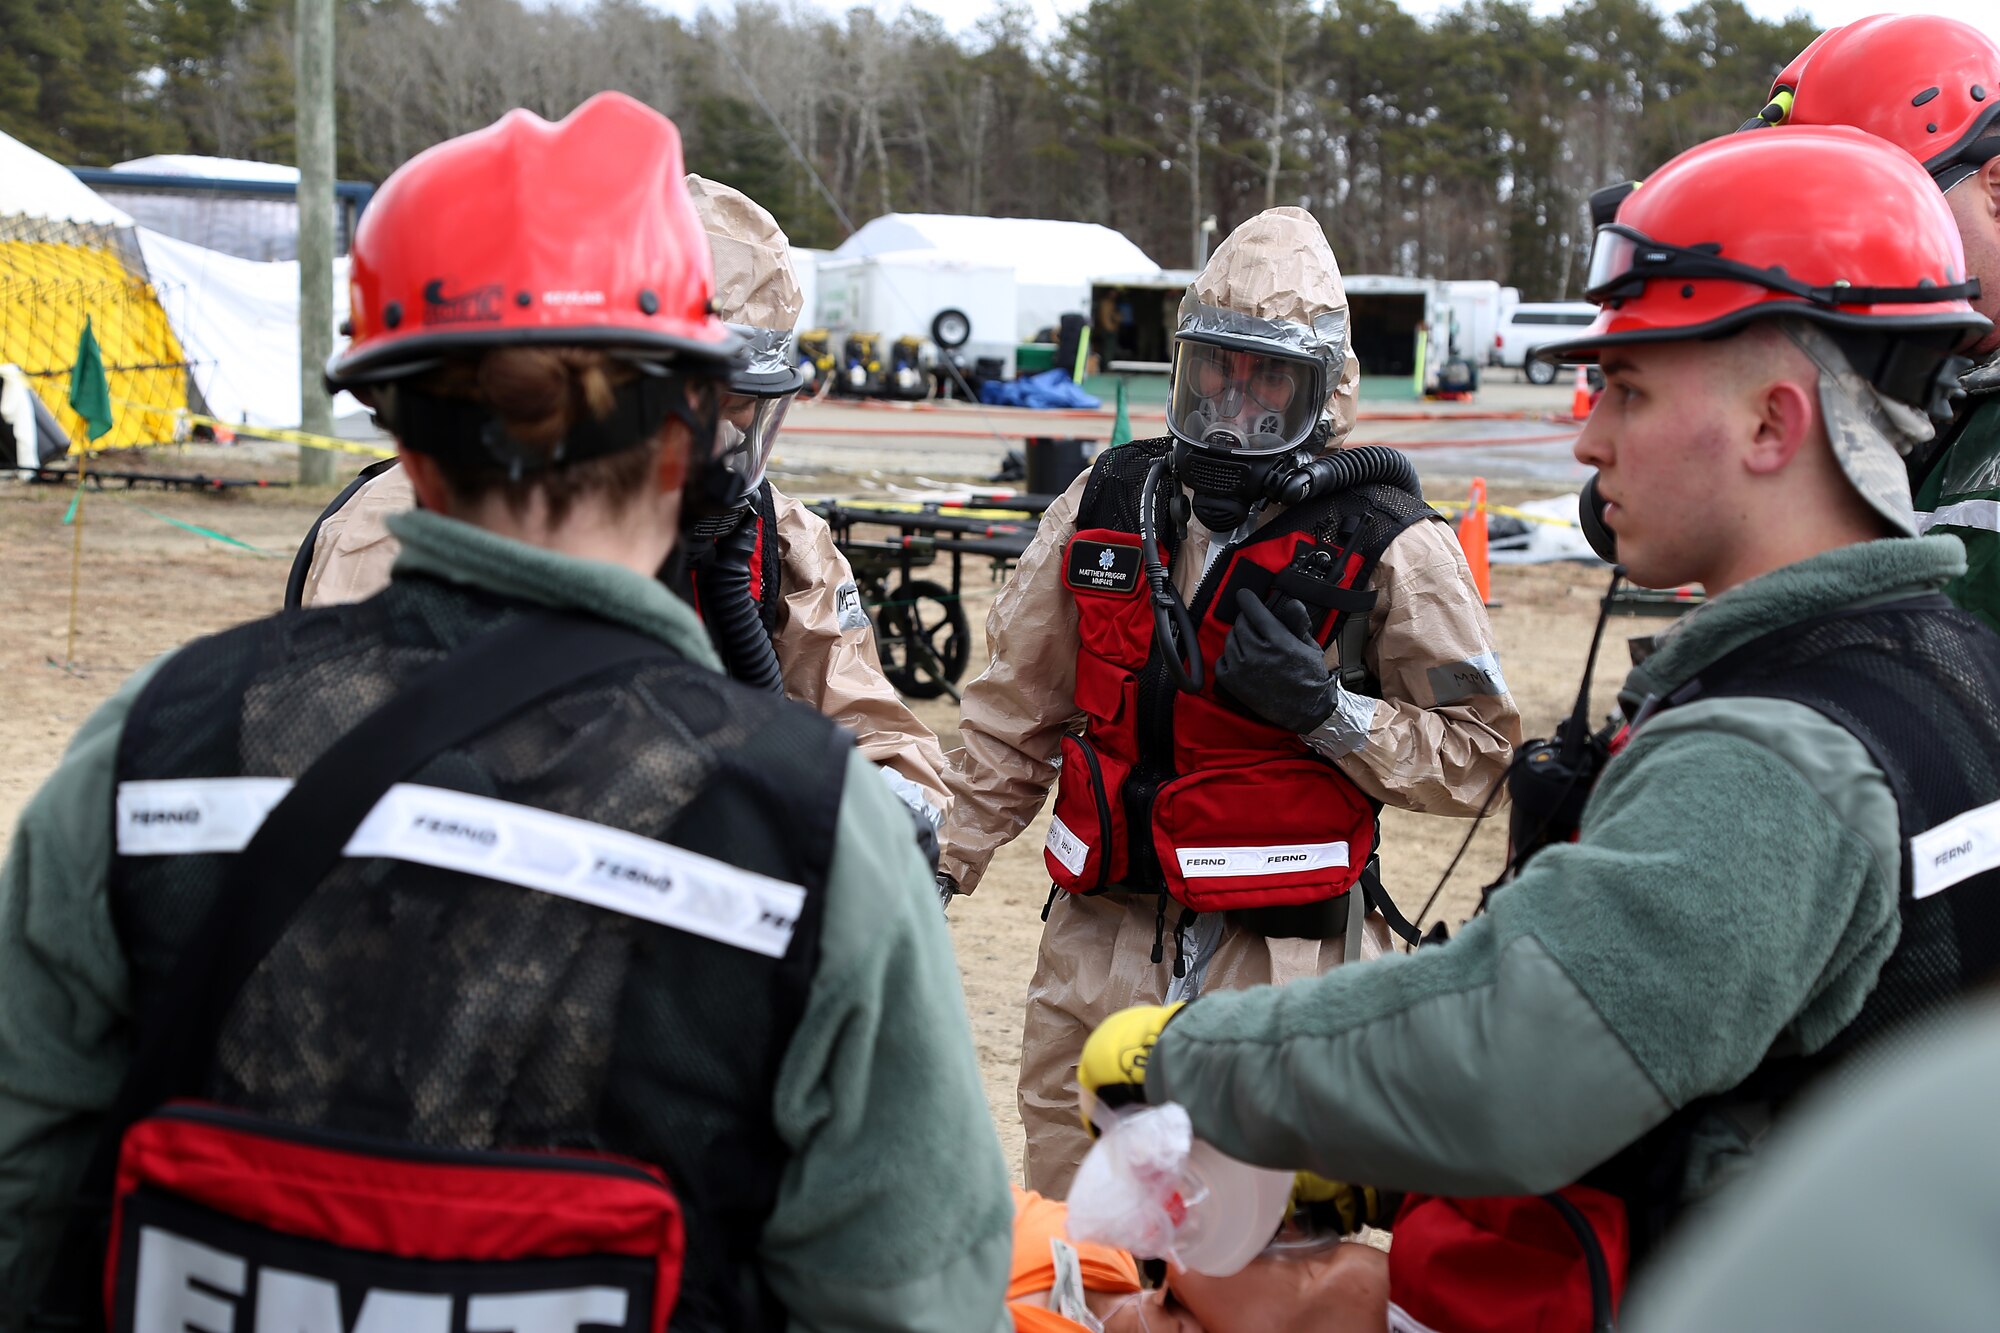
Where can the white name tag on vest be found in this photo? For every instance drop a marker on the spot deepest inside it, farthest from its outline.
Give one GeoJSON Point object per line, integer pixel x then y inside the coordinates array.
{"type": "Point", "coordinates": [190, 816]}
{"type": "Point", "coordinates": [1216, 862]}
{"type": "Point", "coordinates": [590, 863]}
{"type": "Point", "coordinates": [1956, 850]}
{"type": "Point", "coordinates": [1066, 846]}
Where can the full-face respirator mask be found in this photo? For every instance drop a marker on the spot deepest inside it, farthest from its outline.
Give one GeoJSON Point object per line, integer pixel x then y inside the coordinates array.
{"type": "Point", "coordinates": [1246, 414]}
{"type": "Point", "coordinates": [1247, 406]}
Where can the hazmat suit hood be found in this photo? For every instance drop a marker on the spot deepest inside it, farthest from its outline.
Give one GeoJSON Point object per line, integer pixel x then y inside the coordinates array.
{"type": "Point", "coordinates": [1278, 266]}
{"type": "Point", "coordinates": [754, 282]}
{"type": "Point", "coordinates": [757, 295]}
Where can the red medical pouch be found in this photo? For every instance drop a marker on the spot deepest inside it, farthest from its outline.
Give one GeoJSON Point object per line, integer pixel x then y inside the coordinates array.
{"type": "Point", "coordinates": [1287, 832]}
{"type": "Point", "coordinates": [226, 1220]}
{"type": "Point", "coordinates": [1548, 1263]}
{"type": "Point", "coordinates": [1087, 846]}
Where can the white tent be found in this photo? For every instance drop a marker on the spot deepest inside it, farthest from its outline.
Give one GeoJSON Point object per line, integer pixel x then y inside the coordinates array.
{"type": "Point", "coordinates": [1054, 263]}
{"type": "Point", "coordinates": [236, 319]}
{"type": "Point", "coordinates": [239, 320]}
{"type": "Point", "coordinates": [216, 168]}
{"type": "Point", "coordinates": [249, 226]}
{"type": "Point", "coordinates": [38, 187]}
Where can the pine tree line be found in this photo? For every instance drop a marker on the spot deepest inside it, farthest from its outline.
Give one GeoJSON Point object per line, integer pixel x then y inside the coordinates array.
{"type": "Point", "coordinates": [1461, 146]}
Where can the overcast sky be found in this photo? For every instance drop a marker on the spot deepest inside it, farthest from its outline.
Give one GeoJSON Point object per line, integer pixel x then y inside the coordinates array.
{"type": "Point", "coordinates": [961, 14]}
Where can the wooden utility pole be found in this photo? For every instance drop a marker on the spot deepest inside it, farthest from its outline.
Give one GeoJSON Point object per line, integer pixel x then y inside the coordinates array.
{"type": "Point", "coordinates": [315, 151]}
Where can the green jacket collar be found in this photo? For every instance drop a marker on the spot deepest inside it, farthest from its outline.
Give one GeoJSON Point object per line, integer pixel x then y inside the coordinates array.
{"type": "Point", "coordinates": [1881, 570]}
{"type": "Point", "coordinates": [457, 552]}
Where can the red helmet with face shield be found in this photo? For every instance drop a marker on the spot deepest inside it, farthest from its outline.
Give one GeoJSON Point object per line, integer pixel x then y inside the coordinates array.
{"type": "Point", "coordinates": [1823, 224]}
{"type": "Point", "coordinates": [1926, 83]}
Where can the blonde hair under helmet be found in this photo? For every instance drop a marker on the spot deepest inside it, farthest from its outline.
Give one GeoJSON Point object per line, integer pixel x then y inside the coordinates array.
{"type": "Point", "coordinates": [754, 283]}
{"type": "Point", "coordinates": [1278, 265]}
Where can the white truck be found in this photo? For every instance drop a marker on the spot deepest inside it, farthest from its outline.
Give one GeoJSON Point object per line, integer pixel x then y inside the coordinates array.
{"type": "Point", "coordinates": [1533, 323]}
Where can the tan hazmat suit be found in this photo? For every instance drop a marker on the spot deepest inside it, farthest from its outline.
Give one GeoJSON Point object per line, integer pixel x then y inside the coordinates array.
{"type": "Point", "coordinates": [1438, 740]}
{"type": "Point", "coordinates": [825, 645]}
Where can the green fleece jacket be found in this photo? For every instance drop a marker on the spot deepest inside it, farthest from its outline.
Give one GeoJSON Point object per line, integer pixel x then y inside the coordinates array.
{"type": "Point", "coordinates": [894, 1211]}
{"type": "Point", "coordinates": [1960, 495]}
{"type": "Point", "coordinates": [1733, 893]}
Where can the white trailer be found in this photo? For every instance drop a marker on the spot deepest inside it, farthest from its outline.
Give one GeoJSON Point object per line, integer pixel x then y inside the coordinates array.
{"type": "Point", "coordinates": [901, 294]}
{"type": "Point", "coordinates": [805, 266]}
{"type": "Point", "coordinates": [1476, 309]}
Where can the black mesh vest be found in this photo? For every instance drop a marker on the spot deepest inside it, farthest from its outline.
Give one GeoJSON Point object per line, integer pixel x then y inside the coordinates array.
{"type": "Point", "coordinates": [1918, 684]}
{"type": "Point", "coordinates": [448, 1010]}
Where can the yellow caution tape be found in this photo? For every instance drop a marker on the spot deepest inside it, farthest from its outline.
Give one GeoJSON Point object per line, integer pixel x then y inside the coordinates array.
{"type": "Point", "coordinates": [292, 436]}
{"type": "Point", "coordinates": [267, 432]}
{"type": "Point", "coordinates": [1505, 511]}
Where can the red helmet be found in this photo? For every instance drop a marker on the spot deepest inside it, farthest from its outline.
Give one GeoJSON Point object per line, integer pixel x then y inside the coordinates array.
{"type": "Point", "coordinates": [528, 232]}
{"type": "Point", "coordinates": [1928, 84]}
{"type": "Point", "coordinates": [1826, 224]}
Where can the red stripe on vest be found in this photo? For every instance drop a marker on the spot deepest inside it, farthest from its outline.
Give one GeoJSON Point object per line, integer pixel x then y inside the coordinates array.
{"type": "Point", "coordinates": [553, 1205]}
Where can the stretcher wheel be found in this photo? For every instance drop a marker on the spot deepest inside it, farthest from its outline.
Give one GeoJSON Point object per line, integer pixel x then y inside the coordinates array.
{"type": "Point", "coordinates": [923, 639]}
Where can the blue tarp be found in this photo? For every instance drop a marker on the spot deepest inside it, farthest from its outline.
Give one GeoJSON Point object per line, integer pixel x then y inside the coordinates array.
{"type": "Point", "coordinates": [1049, 389]}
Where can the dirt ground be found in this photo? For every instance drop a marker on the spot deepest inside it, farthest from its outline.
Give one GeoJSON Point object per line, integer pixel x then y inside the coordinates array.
{"type": "Point", "coordinates": [147, 585]}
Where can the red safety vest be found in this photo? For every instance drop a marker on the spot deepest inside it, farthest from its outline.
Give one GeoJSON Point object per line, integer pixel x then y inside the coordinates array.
{"type": "Point", "coordinates": [1188, 793]}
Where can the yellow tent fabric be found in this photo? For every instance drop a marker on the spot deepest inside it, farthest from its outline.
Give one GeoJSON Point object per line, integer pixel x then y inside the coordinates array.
{"type": "Point", "coordinates": [47, 288]}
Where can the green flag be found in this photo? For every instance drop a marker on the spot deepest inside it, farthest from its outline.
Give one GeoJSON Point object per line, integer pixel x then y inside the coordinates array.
{"type": "Point", "coordinates": [89, 391]}
{"type": "Point", "coordinates": [1121, 425]}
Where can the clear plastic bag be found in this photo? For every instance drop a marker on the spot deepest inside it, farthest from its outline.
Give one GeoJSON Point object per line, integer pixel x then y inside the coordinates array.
{"type": "Point", "coordinates": [1150, 1187]}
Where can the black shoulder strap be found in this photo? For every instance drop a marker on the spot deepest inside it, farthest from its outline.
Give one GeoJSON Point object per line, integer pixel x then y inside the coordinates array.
{"type": "Point", "coordinates": [479, 685]}
{"type": "Point", "coordinates": [295, 583]}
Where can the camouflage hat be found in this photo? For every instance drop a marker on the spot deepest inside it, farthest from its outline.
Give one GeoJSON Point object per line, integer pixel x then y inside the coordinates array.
{"type": "Point", "coordinates": [1983, 378]}
{"type": "Point", "coordinates": [1870, 431]}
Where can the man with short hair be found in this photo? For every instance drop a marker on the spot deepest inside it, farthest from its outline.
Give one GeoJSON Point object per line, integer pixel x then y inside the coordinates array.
{"type": "Point", "coordinates": [1772, 870]}
{"type": "Point", "coordinates": [1931, 86]}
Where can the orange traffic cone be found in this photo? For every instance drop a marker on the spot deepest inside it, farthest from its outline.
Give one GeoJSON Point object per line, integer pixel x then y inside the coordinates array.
{"type": "Point", "coordinates": [1579, 401]}
{"type": "Point", "coordinates": [1472, 540]}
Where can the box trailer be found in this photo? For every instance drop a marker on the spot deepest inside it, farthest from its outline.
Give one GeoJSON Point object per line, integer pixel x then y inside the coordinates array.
{"type": "Point", "coordinates": [1476, 307]}
{"type": "Point", "coordinates": [805, 267]}
{"type": "Point", "coordinates": [1399, 328]}
{"type": "Point", "coordinates": [903, 294]}
{"type": "Point", "coordinates": [1133, 318]}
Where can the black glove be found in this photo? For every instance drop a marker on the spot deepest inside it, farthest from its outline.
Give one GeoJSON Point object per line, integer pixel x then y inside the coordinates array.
{"type": "Point", "coordinates": [947, 888]}
{"type": "Point", "coordinates": [1273, 667]}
